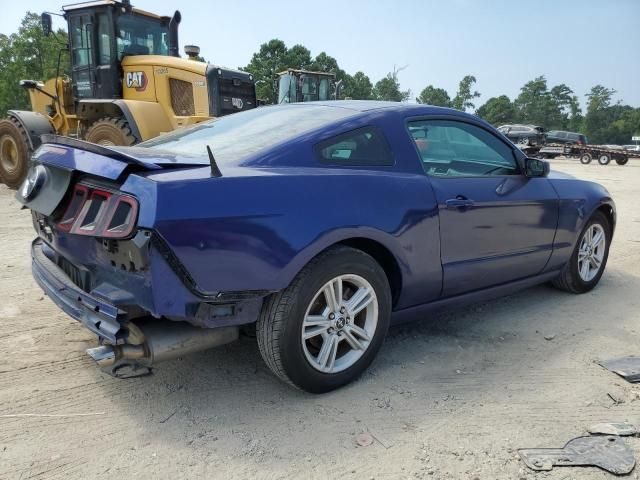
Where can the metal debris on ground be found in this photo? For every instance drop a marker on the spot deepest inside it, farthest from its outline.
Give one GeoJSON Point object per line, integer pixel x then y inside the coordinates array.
{"type": "Point", "coordinates": [621, 429]}
{"type": "Point", "coordinates": [364, 440]}
{"type": "Point", "coordinates": [609, 453]}
{"type": "Point", "coordinates": [382, 440]}
{"type": "Point", "coordinates": [627, 367]}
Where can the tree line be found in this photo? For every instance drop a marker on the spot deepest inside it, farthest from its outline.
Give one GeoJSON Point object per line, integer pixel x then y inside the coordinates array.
{"type": "Point", "coordinates": [555, 108]}
{"type": "Point", "coordinates": [28, 54]}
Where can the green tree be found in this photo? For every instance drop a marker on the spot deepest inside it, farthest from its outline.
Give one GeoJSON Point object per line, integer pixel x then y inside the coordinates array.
{"type": "Point", "coordinates": [357, 87]}
{"type": "Point", "coordinates": [28, 54]}
{"type": "Point", "coordinates": [434, 96]}
{"type": "Point", "coordinates": [533, 103]}
{"type": "Point", "coordinates": [388, 88]}
{"type": "Point", "coordinates": [498, 111]}
{"type": "Point", "coordinates": [601, 114]}
{"type": "Point", "coordinates": [465, 95]}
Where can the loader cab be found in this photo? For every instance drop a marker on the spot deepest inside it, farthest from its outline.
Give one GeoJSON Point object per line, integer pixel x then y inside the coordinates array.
{"type": "Point", "coordinates": [306, 86]}
{"type": "Point", "coordinates": [102, 33]}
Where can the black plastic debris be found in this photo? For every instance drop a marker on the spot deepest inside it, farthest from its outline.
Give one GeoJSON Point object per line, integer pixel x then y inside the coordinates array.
{"type": "Point", "coordinates": [609, 453]}
{"type": "Point", "coordinates": [622, 429]}
{"type": "Point", "coordinates": [627, 367]}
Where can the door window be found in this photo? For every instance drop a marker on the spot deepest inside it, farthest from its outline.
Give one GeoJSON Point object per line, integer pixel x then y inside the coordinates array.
{"type": "Point", "coordinates": [81, 41]}
{"type": "Point", "coordinates": [453, 149]}
{"type": "Point", "coordinates": [104, 39]}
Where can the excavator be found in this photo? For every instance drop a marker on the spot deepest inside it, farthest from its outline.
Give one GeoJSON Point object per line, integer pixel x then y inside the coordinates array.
{"type": "Point", "coordinates": [128, 84]}
{"type": "Point", "coordinates": [295, 85]}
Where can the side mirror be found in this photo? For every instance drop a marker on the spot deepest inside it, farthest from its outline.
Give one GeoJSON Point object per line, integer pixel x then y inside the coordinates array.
{"type": "Point", "coordinates": [534, 167]}
{"type": "Point", "coordinates": [45, 21]}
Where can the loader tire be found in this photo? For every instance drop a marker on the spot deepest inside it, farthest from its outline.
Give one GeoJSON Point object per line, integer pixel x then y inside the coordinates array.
{"type": "Point", "coordinates": [110, 132]}
{"type": "Point", "coordinates": [15, 151]}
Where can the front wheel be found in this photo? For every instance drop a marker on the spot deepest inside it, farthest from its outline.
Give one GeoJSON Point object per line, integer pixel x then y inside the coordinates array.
{"type": "Point", "coordinates": [326, 328]}
{"type": "Point", "coordinates": [586, 265]}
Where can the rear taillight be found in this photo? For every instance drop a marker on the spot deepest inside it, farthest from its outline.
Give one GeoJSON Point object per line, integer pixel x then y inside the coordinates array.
{"type": "Point", "coordinates": [99, 213]}
{"type": "Point", "coordinates": [580, 142]}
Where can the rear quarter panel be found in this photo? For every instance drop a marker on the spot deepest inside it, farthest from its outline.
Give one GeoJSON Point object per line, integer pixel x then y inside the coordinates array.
{"type": "Point", "coordinates": [256, 232]}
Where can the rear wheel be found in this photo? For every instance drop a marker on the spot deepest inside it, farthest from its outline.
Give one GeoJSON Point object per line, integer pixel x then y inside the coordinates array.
{"type": "Point", "coordinates": [15, 151]}
{"type": "Point", "coordinates": [622, 160]}
{"type": "Point", "coordinates": [523, 141]}
{"type": "Point", "coordinates": [604, 159]}
{"type": "Point", "coordinates": [324, 330]}
{"type": "Point", "coordinates": [111, 131]}
{"type": "Point", "coordinates": [583, 271]}
{"type": "Point", "coordinates": [585, 158]}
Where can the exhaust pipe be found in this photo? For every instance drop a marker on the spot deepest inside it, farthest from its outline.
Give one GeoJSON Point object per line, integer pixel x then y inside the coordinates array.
{"type": "Point", "coordinates": [174, 49]}
{"type": "Point", "coordinates": [156, 341]}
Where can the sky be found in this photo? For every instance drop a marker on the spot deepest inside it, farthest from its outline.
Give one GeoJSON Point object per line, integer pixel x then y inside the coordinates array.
{"type": "Point", "coordinates": [503, 43]}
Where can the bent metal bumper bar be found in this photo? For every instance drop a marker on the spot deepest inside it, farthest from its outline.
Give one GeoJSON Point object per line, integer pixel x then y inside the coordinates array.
{"type": "Point", "coordinates": [131, 349]}
{"type": "Point", "coordinates": [98, 316]}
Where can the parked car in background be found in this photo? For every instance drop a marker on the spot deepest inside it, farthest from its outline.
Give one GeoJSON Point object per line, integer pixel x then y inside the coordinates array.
{"type": "Point", "coordinates": [571, 138]}
{"type": "Point", "coordinates": [524, 134]}
{"type": "Point", "coordinates": [319, 223]}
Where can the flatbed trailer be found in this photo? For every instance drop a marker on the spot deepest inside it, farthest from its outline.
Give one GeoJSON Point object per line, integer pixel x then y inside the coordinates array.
{"type": "Point", "coordinates": [586, 153]}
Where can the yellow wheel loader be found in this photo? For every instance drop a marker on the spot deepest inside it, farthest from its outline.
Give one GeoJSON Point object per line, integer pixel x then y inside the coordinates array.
{"type": "Point", "coordinates": [128, 84]}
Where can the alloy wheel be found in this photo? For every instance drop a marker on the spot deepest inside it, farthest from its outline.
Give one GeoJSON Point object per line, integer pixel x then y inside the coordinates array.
{"type": "Point", "coordinates": [340, 323]}
{"type": "Point", "coordinates": [591, 252]}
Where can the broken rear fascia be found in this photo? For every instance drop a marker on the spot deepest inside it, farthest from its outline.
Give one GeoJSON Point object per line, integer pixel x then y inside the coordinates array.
{"type": "Point", "coordinates": [117, 296]}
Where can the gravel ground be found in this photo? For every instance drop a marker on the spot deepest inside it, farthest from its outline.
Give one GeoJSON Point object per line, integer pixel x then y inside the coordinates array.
{"type": "Point", "coordinates": [451, 397]}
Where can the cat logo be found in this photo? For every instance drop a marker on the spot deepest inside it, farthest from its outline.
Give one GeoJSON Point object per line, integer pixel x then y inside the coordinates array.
{"type": "Point", "coordinates": [137, 80]}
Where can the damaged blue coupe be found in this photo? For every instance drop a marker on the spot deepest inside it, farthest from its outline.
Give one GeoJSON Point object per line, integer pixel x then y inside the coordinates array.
{"type": "Point", "coordinates": [320, 224]}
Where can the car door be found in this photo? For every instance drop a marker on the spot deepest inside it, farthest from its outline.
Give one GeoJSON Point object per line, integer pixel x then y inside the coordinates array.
{"type": "Point", "coordinates": [496, 224]}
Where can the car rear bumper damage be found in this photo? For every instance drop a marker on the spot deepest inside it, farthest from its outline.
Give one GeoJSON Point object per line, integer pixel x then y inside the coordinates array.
{"type": "Point", "coordinates": [102, 318]}
{"type": "Point", "coordinates": [129, 346]}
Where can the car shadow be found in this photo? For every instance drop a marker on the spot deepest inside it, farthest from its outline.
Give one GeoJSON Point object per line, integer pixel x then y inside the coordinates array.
{"type": "Point", "coordinates": [451, 356]}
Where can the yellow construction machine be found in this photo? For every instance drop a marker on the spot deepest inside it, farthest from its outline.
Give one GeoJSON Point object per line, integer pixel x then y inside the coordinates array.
{"type": "Point", "coordinates": [128, 84]}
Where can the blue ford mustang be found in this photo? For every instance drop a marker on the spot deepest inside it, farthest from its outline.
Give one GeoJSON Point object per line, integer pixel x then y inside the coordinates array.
{"type": "Point", "coordinates": [319, 223]}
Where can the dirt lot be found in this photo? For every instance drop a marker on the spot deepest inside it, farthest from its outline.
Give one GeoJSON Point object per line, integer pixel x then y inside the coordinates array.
{"type": "Point", "coordinates": [452, 397]}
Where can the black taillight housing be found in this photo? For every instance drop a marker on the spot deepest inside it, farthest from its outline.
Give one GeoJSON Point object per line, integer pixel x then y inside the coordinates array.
{"type": "Point", "coordinates": [98, 212]}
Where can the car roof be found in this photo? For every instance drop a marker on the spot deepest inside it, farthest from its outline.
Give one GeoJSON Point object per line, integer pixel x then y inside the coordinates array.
{"type": "Point", "coordinates": [368, 105]}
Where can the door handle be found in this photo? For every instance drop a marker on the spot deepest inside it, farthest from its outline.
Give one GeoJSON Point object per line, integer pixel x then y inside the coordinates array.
{"type": "Point", "coordinates": [460, 202]}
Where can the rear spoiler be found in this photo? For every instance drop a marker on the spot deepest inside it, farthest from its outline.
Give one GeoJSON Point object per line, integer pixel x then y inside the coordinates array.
{"type": "Point", "coordinates": [97, 149]}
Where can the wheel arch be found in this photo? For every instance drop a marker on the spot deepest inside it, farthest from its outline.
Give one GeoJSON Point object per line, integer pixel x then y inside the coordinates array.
{"type": "Point", "coordinates": [34, 124]}
{"type": "Point", "coordinates": [379, 245]}
{"type": "Point", "coordinates": [609, 212]}
{"type": "Point", "coordinates": [100, 108]}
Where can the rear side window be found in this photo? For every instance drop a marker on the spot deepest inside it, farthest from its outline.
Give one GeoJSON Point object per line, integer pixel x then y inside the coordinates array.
{"type": "Point", "coordinates": [363, 147]}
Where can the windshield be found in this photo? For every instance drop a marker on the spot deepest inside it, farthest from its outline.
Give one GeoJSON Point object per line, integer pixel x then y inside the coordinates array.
{"type": "Point", "coordinates": [235, 137]}
{"type": "Point", "coordinates": [286, 89]}
{"type": "Point", "coordinates": [139, 35]}
{"type": "Point", "coordinates": [323, 89]}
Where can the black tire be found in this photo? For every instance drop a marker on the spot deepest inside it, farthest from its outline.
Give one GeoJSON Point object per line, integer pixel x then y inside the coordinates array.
{"type": "Point", "coordinates": [279, 326]}
{"type": "Point", "coordinates": [523, 141]}
{"type": "Point", "coordinates": [569, 279]}
{"type": "Point", "coordinates": [622, 160]}
{"type": "Point", "coordinates": [15, 152]}
{"type": "Point", "coordinates": [111, 131]}
{"type": "Point", "coordinates": [604, 159]}
{"type": "Point", "coordinates": [585, 158]}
